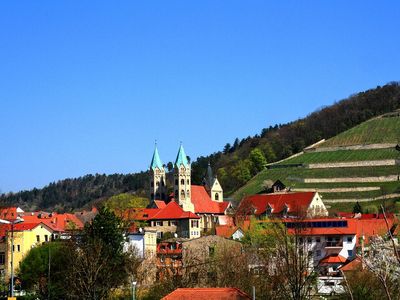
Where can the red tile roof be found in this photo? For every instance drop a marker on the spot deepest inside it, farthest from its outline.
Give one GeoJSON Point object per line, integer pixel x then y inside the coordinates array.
{"type": "Point", "coordinates": [159, 203]}
{"type": "Point", "coordinates": [225, 230]}
{"type": "Point", "coordinates": [207, 294]}
{"type": "Point", "coordinates": [173, 211]}
{"type": "Point", "coordinates": [353, 265]}
{"type": "Point", "coordinates": [203, 203]}
{"type": "Point", "coordinates": [8, 213]}
{"type": "Point", "coordinates": [18, 227]}
{"type": "Point", "coordinates": [57, 222]}
{"type": "Point", "coordinates": [333, 259]}
{"type": "Point", "coordinates": [297, 202]}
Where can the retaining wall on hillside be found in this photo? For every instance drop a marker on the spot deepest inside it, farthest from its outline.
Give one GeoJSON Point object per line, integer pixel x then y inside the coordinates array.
{"type": "Point", "coordinates": [340, 190]}
{"type": "Point", "coordinates": [352, 147]}
{"type": "Point", "coordinates": [349, 164]}
{"type": "Point", "coordinates": [389, 196]}
{"type": "Point", "coordinates": [388, 178]}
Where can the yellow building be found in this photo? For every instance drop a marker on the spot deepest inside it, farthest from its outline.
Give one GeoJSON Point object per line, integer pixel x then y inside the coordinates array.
{"type": "Point", "coordinates": [26, 236]}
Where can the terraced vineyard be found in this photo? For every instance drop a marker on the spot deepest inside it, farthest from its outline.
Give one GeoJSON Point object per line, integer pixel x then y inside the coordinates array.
{"type": "Point", "coordinates": [362, 174]}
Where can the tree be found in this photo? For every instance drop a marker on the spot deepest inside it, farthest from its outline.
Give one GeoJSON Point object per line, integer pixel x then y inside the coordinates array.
{"type": "Point", "coordinates": [258, 160]}
{"type": "Point", "coordinates": [42, 271]}
{"type": "Point", "coordinates": [227, 147]}
{"type": "Point", "coordinates": [97, 261]}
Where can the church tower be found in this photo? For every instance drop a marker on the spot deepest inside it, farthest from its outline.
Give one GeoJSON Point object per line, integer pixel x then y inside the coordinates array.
{"type": "Point", "coordinates": [182, 181]}
{"type": "Point", "coordinates": [157, 178]}
{"type": "Point", "coordinates": [213, 186]}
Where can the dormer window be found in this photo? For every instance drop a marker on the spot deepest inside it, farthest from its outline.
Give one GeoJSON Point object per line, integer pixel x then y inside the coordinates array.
{"type": "Point", "coordinates": [216, 196]}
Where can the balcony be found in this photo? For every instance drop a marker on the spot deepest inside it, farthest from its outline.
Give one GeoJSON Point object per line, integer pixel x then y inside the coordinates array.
{"type": "Point", "coordinates": [333, 244]}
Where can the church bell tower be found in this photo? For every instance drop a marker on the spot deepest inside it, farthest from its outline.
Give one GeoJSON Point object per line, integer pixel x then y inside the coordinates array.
{"type": "Point", "coordinates": [157, 178]}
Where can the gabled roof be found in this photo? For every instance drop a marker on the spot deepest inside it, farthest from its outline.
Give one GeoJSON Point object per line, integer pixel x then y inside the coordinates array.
{"type": "Point", "coordinates": [55, 221]}
{"type": "Point", "coordinates": [226, 230]}
{"type": "Point", "coordinates": [173, 211]}
{"type": "Point", "coordinates": [21, 227]}
{"type": "Point", "coordinates": [156, 161]}
{"type": "Point", "coordinates": [203, 203]}
{"type": "Point", "coordinates": [333, 259]}
{"type": "Point", "coordinates": [354, 265]}
{"type": "Point", "coordinates": [207, 294]}
{"type": "Point", "coordinates": [159, 203]}
{"type": "Point", "coordinates": [297, 202]}
{"type": "Point", "coordinates": [181, 158]}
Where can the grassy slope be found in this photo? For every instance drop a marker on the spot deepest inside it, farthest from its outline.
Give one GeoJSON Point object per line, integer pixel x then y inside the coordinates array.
{"type": "Point", "coordinates": [380, 130]}
{"type": "Point", "coordinates": [343, 156]}
{"type": "Point", "coordinates": [375, 131]}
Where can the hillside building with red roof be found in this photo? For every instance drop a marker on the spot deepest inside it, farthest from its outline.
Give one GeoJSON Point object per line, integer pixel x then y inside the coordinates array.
{"type": "Point", "coordinates": [285, 204]}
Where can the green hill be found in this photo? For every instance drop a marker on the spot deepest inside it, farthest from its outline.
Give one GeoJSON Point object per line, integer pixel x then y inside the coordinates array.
{"type": "Point", "coordinates": [344, 169]}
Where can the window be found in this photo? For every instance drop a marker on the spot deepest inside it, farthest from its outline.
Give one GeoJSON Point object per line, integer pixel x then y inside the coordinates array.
{"type": "Point", "coordinates": [159, 223]}
{"type": "Point", "coordinates": [182, 181]}
{"type": "Point", "coordinates": [188, 193]}
{"type": "Point", "coordinates": [13, 248]}
{"type": "Point", "coordinates": [194, 223]}
{"type": "Point", "coordinates": [176, 182]}
{"type": "Point", "coordinates": [309, 240]}
{"type": "Point", "coordinates": [216, 196]}
{"type": "Point", "coordinates": [2, 258]}
{"type": "Point", "coordinates": [174, 223]}
{"type": "Point", "coordinates": [38, 238]}
{"type": "Point", "coordinates": [349, 239]}
{"type": "Point", "coordinates": [182, 193]}
{"type": "Point", "coordinates": [19, 248]}
{"type": "Point", "coordinates": [350, 253]}
{"type": "Point", "coordinates": [318, 239]}
{"type": "Point", "coordinates": [188, 182]}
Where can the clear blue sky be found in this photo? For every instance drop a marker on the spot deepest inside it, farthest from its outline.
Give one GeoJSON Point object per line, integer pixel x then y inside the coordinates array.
{"type": "Point", "coordinates": [87, 86]}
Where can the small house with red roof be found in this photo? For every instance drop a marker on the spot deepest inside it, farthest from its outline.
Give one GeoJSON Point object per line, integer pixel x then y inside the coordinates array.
{"type": "Point", "coordinates": [287, 204]}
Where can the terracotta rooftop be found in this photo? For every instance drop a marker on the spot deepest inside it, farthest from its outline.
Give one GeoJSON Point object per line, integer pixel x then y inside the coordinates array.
{"type": "Point", "coordinates": [297, 202]}
{"type": "Point", "coordinates": [207, 294]}
{"type": "Point", "coordinates": [203, 203]}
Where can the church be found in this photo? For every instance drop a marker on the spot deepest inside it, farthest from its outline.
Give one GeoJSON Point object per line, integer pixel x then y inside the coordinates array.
{"type": "Point", "coordinates": [206, 201]}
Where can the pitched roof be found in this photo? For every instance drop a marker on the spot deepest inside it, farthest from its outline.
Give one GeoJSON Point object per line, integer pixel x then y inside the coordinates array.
{"type": "Point", "coordinates": [225, 230]}
{"type": "Point", "coordinates": [297, 202]}
{"type": "Point", "coordinates": [19, 227]}
{"type": "Point", "coordinates": [333, 259]}
{"type": "Point", "coordinates": [57, 222]}
{"type": "Point", "coordinates": [203, 203]}
{"type": "Point", "coordinates": [173, 211]}
{"type": "Point", "coordinates": [354, 265]}
{"type": "Point", "coordinates": [206, 294]}
{"type": "Point", "coordinates": [156, 161]}
{"type": "Point", "coordinates": [159, 203]}
{"type": "Point", "coordinates": [181, 158]}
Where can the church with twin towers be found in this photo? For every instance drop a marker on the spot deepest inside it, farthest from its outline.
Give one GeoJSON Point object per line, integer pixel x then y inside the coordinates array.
{"type": "Point", "coordinates": [204, 200]}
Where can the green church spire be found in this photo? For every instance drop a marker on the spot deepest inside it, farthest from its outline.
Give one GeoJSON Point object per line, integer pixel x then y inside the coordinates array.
{"type": "Point", "coordinates": [156, 161]}
{"type": "Point", "coordinates": [181, 158]}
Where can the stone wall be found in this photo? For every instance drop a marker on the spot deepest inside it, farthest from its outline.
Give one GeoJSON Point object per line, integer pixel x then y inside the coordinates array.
{"type": "Point", "coordinates": [349, 164]}
{"type": "Point", "coordinates": [352, 147]}
{"type": "Point", "coordinates": [388, 178]}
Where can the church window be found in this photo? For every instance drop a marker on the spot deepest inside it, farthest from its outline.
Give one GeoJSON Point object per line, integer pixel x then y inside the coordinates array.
{"type": "Point", "coordinates": [182, 193]}
{"type": "Point", "coordinates": [187, 181]}
{"type": "Point", "coordinates": [162, 182]}
{"type": "Point", "coordinates": [187, 193]}
{"type": "Point", "coordinates": [182, 181]}
{"type": "Point", "coordinates": [157, 184]}
{"type": "Point", "coordinates": [216, 196]}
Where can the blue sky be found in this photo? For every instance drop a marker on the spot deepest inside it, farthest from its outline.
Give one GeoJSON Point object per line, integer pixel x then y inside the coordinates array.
{"type": "Point", "coordinates": [87, 86]}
